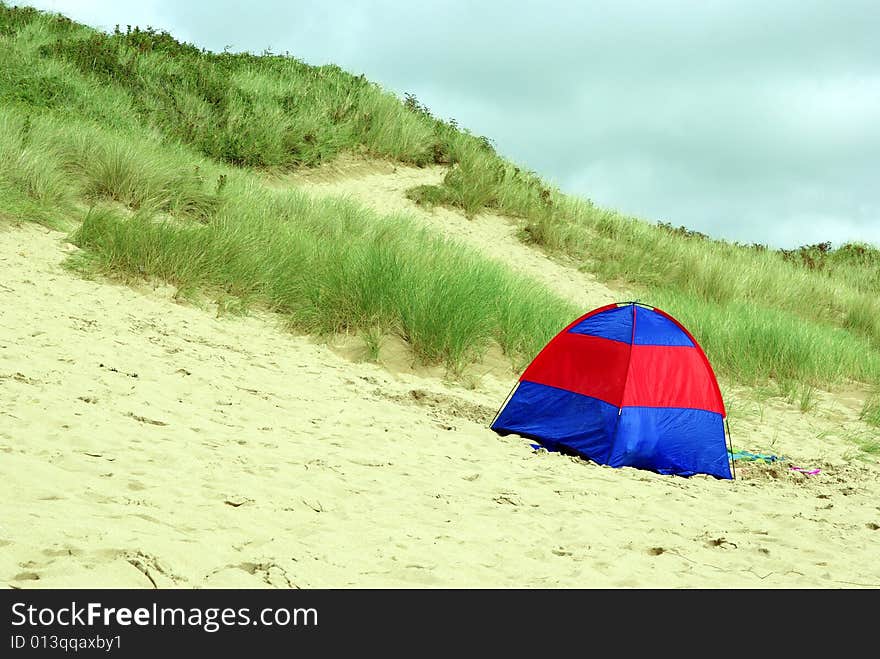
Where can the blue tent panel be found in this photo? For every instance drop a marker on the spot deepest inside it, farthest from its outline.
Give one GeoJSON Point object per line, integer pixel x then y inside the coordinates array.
{"type": "Point", "coordinates": [558, 417]}
{"type": "Point", "coordinates": [614, 324]}
{"type": "Point", "coordinates": [671, 440]}
{"type": "Point", "coordinates": [655, 329]}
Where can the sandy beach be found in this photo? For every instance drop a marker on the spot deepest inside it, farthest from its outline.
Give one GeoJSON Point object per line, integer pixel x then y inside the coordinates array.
{"type": "Point", "coordinates": [152, 443]}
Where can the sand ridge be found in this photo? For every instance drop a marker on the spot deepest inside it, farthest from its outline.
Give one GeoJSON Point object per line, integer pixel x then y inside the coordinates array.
{"type": "Point", "coordinates": [382, 186]}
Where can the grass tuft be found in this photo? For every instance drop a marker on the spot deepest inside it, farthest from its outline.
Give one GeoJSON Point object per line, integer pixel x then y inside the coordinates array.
{"type": "Point", "coordinates": [871, 411]}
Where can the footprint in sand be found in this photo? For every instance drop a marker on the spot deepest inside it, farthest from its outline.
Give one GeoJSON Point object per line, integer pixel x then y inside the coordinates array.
{"type": "Point", "coordinates": [26, 576]}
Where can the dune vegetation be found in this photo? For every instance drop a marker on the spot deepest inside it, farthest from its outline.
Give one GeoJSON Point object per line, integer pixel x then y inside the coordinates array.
{"type": "Point", "coordinates": [153, 153]}
{"type": "Point", "coordinates": [155, 191]}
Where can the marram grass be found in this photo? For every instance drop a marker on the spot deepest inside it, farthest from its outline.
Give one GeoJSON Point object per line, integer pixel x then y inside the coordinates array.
{"type": "Point", "coordinates": [331, 266]}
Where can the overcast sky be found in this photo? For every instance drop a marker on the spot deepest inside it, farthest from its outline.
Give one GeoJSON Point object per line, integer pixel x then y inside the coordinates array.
{"type": "Point", "coordinates": [745, 119]}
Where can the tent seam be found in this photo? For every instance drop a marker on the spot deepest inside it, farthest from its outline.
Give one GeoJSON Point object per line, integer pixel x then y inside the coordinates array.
{"type": "Point", "coordinates": [625, 381]}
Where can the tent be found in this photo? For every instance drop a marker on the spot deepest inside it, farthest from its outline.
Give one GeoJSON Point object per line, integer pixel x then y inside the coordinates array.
{"type": "Point", "coordinates": [624, 385]}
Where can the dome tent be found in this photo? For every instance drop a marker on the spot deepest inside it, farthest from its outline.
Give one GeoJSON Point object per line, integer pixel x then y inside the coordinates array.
{"type": "Point", "coordinates": [624, 385]}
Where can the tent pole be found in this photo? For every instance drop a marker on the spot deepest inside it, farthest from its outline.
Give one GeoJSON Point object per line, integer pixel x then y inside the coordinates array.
{"type": "Point", "coordinates": [730, 444]}
{"type": "Point", "coordinates": [510, 393]}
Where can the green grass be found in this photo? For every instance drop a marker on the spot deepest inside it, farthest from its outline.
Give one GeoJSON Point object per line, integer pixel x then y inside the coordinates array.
{"type": "Point", "coordinates": [330, 267]}
{"type": "Point", "coordinates": [870, 446]}
{"type": "Point", "coordinates": [51, 164]}
{"type": "Point", "coordinates": [871, 410]}
{"type": "Point", "coordinates": [247, 110]}
{"type": "Point", "coordinates": [162, 140]}
{"type": "Point", "coordinates": [803, 395]}
{"type": "Point", "coordinates": [750, 344]}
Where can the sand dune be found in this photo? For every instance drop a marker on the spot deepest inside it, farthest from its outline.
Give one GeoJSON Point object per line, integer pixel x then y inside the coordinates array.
{"type": "Point", "coordinates": [382, 186]}
{"type": "Point", "coordinates": [147, 443]}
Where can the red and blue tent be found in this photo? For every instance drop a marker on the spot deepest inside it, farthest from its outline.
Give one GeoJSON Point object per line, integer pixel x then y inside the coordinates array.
{"type": "Point", "coordinates": [625, 385]}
